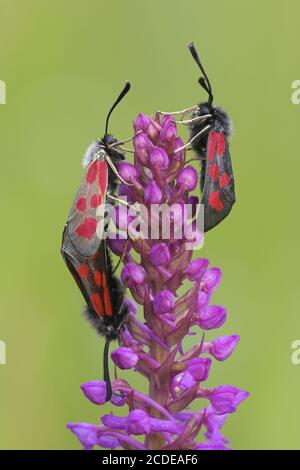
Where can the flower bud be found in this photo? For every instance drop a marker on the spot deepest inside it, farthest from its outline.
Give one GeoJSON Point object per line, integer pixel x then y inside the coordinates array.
{"type": "Point", "coordinates": [211, 279]}
{"type": "Point", "coordinates": [125, 358]}
{"type": "Point", "coordinates": [86, 433]}
{"type": "Point", "coordinates": [212, 317]}
{"type": "Point", "coordinates": [160, 254]}
{"type": "Point", "coordinates": [225, 399]}
{"type": "Point", "coordinates": [132, 274]}
{"type": "Point", "coordinates": [127, 172]}
{"type": "Point", "coordinates": [163, 302]}
{"type": "Point", "coordinates": [95, 391]}
{"type": "Point", "coordinates": [152, 193]}
{"type": "Point", "coordinates": [138, 422]}
{"type": "Point", "coordinates": [221, 348]}
{"type": "Point", "coordinates": [168, 131]}
{"type": "Point", "coordinates": [196, 269]}
{"type": "Point", "coordinates": [188, 178]}
{"type": "Point", "coordinates": [199, 368]}
{"type": "Point", "coordinates": [159, 158]}
{"type": "Point", "coordinates": [141, 123]}
{"type": "Point", "coordinates": [142, 146]}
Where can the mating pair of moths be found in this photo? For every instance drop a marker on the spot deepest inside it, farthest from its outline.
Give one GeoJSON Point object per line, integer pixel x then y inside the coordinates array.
{"type": "Point", "coordinates": [83, 246]}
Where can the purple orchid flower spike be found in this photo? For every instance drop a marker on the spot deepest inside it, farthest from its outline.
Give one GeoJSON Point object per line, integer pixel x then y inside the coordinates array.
{"type": "Point", "coordinates": [154, 346]}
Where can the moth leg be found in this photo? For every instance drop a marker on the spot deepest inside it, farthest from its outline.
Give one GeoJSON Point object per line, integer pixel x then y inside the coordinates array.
{"type": "Point", "coordinates": [192, 140]}
{"type": "Point", "coordinates": [195, 119]}
{"type": "Point", "coordinates": [121, 257]}
{"type": "Point", "coordinates": [120, 201]}
{"type": "Point", "coordinates": [196, 159]}
{"type": "Point", "coordinates": [183, 111]}
{"type": "Point", "coordinates": [121, 142]}
{"type": "Point", "coordinates": [127, 150]}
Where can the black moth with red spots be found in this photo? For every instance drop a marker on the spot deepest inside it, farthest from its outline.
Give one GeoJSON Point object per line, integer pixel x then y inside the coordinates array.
{"type": "Point", "coordinates": [209, 132]}
{"type": "Point", "coordinates": [84, 245]}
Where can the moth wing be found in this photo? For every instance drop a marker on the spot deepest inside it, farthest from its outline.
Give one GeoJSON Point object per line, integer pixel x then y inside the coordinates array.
{"type": "Point", "coordinates": [218, 194]}
{"type": "Point", "coordinates": [85, 224]}
{"type": "Point", "coordinates": [91, 275]}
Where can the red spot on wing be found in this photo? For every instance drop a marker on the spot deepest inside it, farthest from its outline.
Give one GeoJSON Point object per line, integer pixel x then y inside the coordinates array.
{"type": "Point", "coordinates": [95, 200]}
{"type": "Point", "coordinates": [102, 176]}
{"type": "Point", "coordinates": [81, 204]}
{"type": "Point", "coordinates": [212, 143]}
{"type": "Point", "coordinates": [97, 278]}
{"type": "Point", "coordinates": [92, 172]}
{"type": "Point", "coordinates": [97, 304]}
{"type": "Point", "coordinates": [220, 144]}
{"type": "Point", "coordinates": [215, 202]}
{"type": "Point", "coordinates": [83, 271]}
{"type": "Point", "coordinates": [213, 171]}
{"type": "Point", "coordinates": [108, 309]}
{"type": "Point", "coordinates": [88, 228]}
{"type": "Point", "coordinates": [224, 179]}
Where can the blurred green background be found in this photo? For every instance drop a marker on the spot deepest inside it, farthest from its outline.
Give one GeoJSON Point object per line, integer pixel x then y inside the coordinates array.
{"type": "Point", "coordinates": [63, 64]}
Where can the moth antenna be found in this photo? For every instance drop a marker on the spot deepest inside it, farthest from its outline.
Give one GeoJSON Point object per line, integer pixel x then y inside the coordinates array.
{"type": "Point", "coordinates": [120, 97]}
{"type": "Point", "coordinates": [204, 81]}
{"type": "Point", "coordinates": [106, 370]}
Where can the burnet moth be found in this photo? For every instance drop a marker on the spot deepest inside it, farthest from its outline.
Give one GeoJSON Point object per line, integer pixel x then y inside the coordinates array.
{"type": "Point", "coordinates": [209, 132]}
{"type": "Point", "coordinates": [210, 128]}
{"type": "Point", "coordinates": [84, 245]}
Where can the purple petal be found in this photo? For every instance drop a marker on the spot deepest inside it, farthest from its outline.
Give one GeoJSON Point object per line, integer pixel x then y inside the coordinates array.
{"type": "Point", "coordinates": [197, 268]}
{"type": "Point", "coordinates": [114, 422]}
{"type": "Point", "coordinates": [226, 398]}
{"type": "Point", "coordinates": [199, 368]}
{"type": "Point", "coordinates": [142, 146]}
{"type": "Point", "coordinates": [168, 131]}
{"type": "Point", "coordinates": [221, 348]}
{"type": "Point", "coordinates": [159, 158]}
{"type": "Point", "coordinates": [163, 302]}
{"type": "Point", "coordinates": [124, 358]}
{"type": "Point", "coordinates": [132, 307]}
{"type": "Point", "coordinates": [188, 177]}
{"type": "Point", "coordinates": [202, 299]}
{"type": "Point", "coordinates": [128, 172]}
{"type": "Point", "coordinates": [212, 317]}
{"type": "Point", "coordinates": [211, 446]}
{"type": "Point", "coordinates": [160, 254]}
{"type": "Point", "coordinates": [211, 279]}
{"type": "Point", "coordinates": [184, 381]}
{"type": "Point", "coordinates": [95, 391]}
{"type": "Point", "coordinates": [138, 423]}
{"type": "Point", "coordinates": [108, 442]}
{"type": "Point", "coordinates": [152, 193]}
{"type": "Point", "coordinates": [132, 274]}
{"type": "Point", "coordinates": [86, 433]}
{"type": "Point", "coordinates": [141, 123]}
{"type": "Point", "coordinates": [160, 425]}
